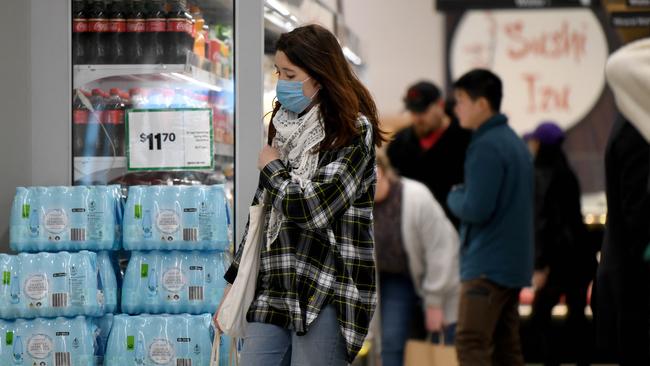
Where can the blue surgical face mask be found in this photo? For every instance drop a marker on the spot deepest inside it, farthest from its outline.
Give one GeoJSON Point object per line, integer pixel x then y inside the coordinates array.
{"type": "Point", "coordinates": [291, 97]}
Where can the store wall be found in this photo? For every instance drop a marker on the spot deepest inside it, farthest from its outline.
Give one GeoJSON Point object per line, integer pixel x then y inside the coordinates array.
{"type": "Point", "coordinates": [15, 116]}
{"type": "Point", "coordinates": [50, 93]}
{"type": "Point", "coordinates": [402, 42]}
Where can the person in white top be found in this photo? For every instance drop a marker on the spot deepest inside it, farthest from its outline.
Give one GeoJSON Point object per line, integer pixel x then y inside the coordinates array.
{"type": "Point", "coordinates": [417, 263]}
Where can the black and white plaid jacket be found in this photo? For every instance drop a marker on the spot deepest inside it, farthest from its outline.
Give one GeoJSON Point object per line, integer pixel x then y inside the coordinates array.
{"type": "Point", "coordinates": [324, 252]}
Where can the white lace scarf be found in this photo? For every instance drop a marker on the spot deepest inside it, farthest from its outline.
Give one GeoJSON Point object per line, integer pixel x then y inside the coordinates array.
{"type": "Point", "coordinates": [297, 139]}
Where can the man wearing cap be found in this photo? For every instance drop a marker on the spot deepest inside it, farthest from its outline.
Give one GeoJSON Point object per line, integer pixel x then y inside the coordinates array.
{"type": "Point", "coordinates": [432, 150]}
{"type": "Point", "coordinates": [565, 264]}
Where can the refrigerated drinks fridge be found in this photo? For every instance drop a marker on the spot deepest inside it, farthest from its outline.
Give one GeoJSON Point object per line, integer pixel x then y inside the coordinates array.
{"type": "Point", "coordinates": [130, 57]}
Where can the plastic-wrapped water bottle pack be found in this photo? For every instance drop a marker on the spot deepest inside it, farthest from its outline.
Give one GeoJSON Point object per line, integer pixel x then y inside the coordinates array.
{"type": "Point", "coordinates": [173, 282]}
{"type": "Point", "coordinates": [178, 234]}
{"type": "Point", "coordinates": [176, 218]}
{"type": "Point", "coordinates": [55, 284]}
{"type": "Point", "coordinates": [162, 340]}
{"type": "Point", "coordinates": [52, 219]}
{"type": "Point", "coordinates": [50, 342]}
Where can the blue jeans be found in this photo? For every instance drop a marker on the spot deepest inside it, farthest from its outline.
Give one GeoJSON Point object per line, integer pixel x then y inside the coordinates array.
{"type": "Point", "coordinates": [271, 345]}
{"type": "Point", "coordinates": [399, 302]}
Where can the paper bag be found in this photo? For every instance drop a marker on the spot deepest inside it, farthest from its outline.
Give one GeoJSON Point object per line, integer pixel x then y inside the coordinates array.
{"type": "Point", "coordinates": [425, 353]}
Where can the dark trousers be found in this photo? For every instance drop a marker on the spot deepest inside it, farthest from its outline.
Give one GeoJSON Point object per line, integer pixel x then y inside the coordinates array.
{"type": "Point", "coordinates": [576, 322]}
{"type": "Point", "coordinates": [623, 313]}
{"type": "Point", "coordinates": [488, 325]}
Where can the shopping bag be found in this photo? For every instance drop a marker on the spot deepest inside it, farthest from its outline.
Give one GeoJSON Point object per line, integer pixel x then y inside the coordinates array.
{"type": "Point", "coordinates": [215, 356]}
{"type": "Point", "coordinates": [216, 351]}
{"type": "Point", "coordinates": [425, 353]}
{"type": "Point", "coordinates": [232, 316]}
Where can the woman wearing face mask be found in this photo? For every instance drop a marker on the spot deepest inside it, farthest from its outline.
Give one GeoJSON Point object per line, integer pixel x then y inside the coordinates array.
{"type": "Point", "coordinates": [315, 292]}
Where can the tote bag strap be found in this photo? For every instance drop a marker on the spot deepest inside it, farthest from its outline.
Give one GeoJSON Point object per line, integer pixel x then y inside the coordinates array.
{"type": "Point", "coordinates": [216, 343]}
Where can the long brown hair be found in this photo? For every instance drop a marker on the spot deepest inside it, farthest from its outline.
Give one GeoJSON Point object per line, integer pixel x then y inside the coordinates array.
{"type": "Point", "coordinates": [341, 97]}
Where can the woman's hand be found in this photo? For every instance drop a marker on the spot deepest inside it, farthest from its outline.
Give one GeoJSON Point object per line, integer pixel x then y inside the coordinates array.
{"type": "Point", "coordinates": [216, 315]}
{"type": "Point", "coordinates": [267, 155]}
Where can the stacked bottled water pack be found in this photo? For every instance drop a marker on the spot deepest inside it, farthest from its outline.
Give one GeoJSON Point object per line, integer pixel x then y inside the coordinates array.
{"type": "Point", "coordinates": [173, 282]}
{"type": "Point", "coordinates": [55, 284]}
{"type": "Point", "coordinates": [39, 289]}
{"type": "Point", "coordinates": [176, 218]}
{"type": "Point", "coordinates": [165, 340]}
{"type": "Point", "coordinates": [66, 218]}
{"type": "Point", "coordinates": [58, 305]}
{"type": "Point", "coordinates": [177, 235]}
{"type": "Point", "coordinates": [51, 342]}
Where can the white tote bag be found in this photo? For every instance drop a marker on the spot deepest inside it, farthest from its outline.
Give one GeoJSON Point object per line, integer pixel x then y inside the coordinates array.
{"type": "Point", "coordinates": [232, 316]}
{"type": "Point", "coordinates": [215, 357]}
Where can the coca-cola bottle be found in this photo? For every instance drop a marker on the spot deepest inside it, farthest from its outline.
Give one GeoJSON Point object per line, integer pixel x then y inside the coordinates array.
{"type": "Point", "coordinates": [98, 40]}
{"type": "Point", "coordinates": [138, 98]}
{"type": "Point", "coordinates": [117, 32]}
{"type": "Point", "coordinates": [192, 33]}
{"type": "Point", "coordinates": [114, 112]}
{"type": "Point", "coordinates": [95, 139]}
{"type": "Point", "coordinates": [179, 32]}
{"type": "Point", "coordinates": [126, 97]}
{"type": "Point", "coordinates": [156, 26]}
{"type": "Point", "coordinates": [135, 32]}
{"type": "Point", "coordinates": [80, 117]}
{"type": "Point", "coordinates": [79, 32]}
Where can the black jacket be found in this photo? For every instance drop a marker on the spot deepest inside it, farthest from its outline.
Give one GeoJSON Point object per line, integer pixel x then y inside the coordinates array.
{"type": "Point", "coordinates": [623, 277]}
{"type": "Point", "coordinates": [627, 165]}
{"type": "Point", "coordinates": [439, 168]}
{"type": "Point", "coordinates": [560, 234]}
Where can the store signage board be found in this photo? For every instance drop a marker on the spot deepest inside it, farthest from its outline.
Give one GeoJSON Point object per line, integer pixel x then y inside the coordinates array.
{"type": "Point", "coordinates": [551, 61]}
{"type": "Point", "coordinates": [630, 19]}
{"type": "Point", "coordinates": [169, 139]}
{"type": "Point", "coordinates": [446, 5]}
{"type": "Point", "coordinates": [638, 3]}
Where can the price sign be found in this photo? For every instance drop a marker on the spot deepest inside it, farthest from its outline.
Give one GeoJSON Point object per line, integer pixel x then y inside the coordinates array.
{"type": "Point", "coordinates": [170, 139]}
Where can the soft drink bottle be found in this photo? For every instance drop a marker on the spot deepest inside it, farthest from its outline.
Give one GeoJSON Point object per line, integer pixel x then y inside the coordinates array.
{"type": "Point", "coordinates": [135, 33]}
{"type": "Point", "coordinates": [199, 42]}
{"type": "Point", "coordinates": [156, 99]}
{"type": "Point", "coordinates": [79, 32]}
{"type": "Point", "coordinates": [80, 117]}
{"type": "Point", "coordinates": [191, 35]}
{"type": "Point", "coordinates": [156, 26]}
{"type": "Point", "coordinates": [179, 99]}
{"type": "Point", "coordinates": [179, 29]}
{"type": "Point", "coordinates": [138, 98]}
{"type": "Point", "coordinates": [128, 104]}
{"type": "Point", "coordinates": [206, 36]}
{"type": "Point", "coordinates": [115, 123]}
{"type": "Point", "coordinates": [98, 45]}
{"type": "Point", "coordinates": [117, 32]}
{"type": "Point", "coordinates": [168, 97]}
{"type": "Point", "coordinates": [95, 140]}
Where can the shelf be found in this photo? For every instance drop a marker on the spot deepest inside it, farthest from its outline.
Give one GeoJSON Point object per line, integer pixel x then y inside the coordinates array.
{"type": "Point", "coordinates": [103, 170]}
{"type": "Point", "coordinates": [85, 165]}
{"type": "Point", "coordinates": [186, 73]}
{"type": "Point", "coordinates": [107, 167]}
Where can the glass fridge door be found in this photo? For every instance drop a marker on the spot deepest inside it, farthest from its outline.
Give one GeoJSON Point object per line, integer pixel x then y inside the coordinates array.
{"type": "Point", "coordinates": [153, 93]}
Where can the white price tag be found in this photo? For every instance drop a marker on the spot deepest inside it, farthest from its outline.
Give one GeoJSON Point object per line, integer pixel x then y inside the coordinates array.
{"type": "Point", "coordinates": [174, 139]}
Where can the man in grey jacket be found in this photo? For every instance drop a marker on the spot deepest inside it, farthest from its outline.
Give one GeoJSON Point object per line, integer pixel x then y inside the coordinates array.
{"type": "Point", "coordinates": [417, 263]}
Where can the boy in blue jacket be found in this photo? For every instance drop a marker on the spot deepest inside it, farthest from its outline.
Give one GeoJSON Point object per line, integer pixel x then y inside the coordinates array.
{"type": "Point", "coordinates": [495, 206]}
